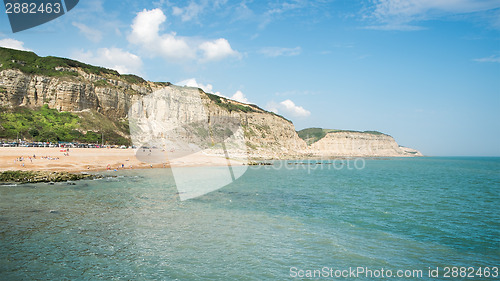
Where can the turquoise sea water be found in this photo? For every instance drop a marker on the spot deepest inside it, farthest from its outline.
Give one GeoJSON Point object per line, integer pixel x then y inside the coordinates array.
{"type": "Point", "coordinates": [392, 214]}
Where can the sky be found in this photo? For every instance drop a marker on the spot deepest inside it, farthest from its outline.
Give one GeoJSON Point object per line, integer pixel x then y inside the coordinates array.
{"type": "Point", "coordinates": [426, 72]}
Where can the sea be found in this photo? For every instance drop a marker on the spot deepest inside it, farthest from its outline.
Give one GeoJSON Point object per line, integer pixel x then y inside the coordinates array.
{"type": "Point", "coordinates": [426, 218]}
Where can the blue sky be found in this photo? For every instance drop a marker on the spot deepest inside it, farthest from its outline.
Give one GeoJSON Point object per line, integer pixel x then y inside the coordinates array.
{"type": "Point", "coordinates": [426, 72]}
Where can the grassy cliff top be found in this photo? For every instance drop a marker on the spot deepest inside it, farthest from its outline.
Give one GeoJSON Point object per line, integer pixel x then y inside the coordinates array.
{"type": "Point", "coordinates": [312, 135]}
{"type": "Point", "coordinates": [231, 105]}
{"type": "Point", "coordinates": [31, 63]}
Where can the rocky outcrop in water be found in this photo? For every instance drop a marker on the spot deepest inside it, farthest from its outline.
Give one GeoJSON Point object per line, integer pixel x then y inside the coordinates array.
{"type": "Point", "coordinates": [41, 176]}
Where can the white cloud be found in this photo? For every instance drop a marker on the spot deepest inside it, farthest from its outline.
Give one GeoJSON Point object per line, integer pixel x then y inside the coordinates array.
{"type": "Point", "coordinates": [194, 9]}
{"type": "Point", "coordinates": [217, 49]}
{"type": "Point", "coordinates": [239, 96]}
{"type": "Point", "coordinates": [146, 34]}
{"type": "Point", "coordinates": [188, 13]}
{"type": "Point", "coordinates": [13, 44]}
{"type": "Point", "coordinates": [114, 58]}
{"type": "Point", "coordinates": [191, 82]}
{"type": "Point", "coordinates": [489, 59]}
{"type": "Point", "coordinates": [93, 35]}
{"type": "Point", "coordinates": [175, 48]}
{"type": "Point", "coordinates": [146, 26]}
{"type": "Point", "coordinates": [397, 14]}
{"type": "Point", "coordinates": [295, 110]}
{"type": "Point", "coordinates": [272, 106]}
{"type": "Point", "coordinates": [208, 88]}
{"type": "Point", "coordinates": [288, 107]}
{"type": "Point", "coordinates": [277, 51]}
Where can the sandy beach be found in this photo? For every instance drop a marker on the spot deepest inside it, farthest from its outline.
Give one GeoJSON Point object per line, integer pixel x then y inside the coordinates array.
{"type": "Point", "coordinates": [94, 159]}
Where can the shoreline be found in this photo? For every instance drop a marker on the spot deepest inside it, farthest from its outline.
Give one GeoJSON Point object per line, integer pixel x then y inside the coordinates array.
{"type": "Point", "coordinates": [42, 164]}
{"type": "Point", "coordinates": [78, 160]}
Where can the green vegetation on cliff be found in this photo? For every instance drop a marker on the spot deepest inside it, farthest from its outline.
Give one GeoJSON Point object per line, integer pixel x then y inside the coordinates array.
{"type": "Point", "coordinates": [232, 106]}
{"type": "Point", "coordinates": [312, 135]}
{"type": "Point", "coordinates": [31, 63]}
{"type": "Point", "coordinates": [228, 105]}
{"type": "Point", "coordinates": [49, 125]}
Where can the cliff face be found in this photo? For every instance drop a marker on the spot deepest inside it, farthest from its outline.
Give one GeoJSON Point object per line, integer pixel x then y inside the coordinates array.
{"type": "Point", "coordinates": [85, 91]}
{"type": "Point", "coordinates": [114, 98]}
{"type": "Point", "coordinates": [76, 87]}
{"type": "Point", "coordinates": [267, 136]}
{"type": "Point", "coordinates": [360, 144]}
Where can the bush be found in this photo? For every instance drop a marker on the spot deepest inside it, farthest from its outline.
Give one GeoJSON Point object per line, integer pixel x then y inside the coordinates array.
{"type": "Point", "coordinates": [134, 79]}
{"type": "Point", "coordinates": [33, 132]}
{"type": "Point", "coordinates": [101, 83]}
{"type": "Point", "coordinates": [312, 135]}
{"type": "Point", "coordinates": [46, 124]}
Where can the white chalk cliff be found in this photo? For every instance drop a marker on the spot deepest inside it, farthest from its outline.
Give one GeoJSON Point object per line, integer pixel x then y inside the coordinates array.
{"type": "Point", "coordinates": [347, 143]}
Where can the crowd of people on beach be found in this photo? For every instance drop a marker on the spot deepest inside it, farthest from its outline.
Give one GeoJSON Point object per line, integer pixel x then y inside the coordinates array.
{"type": "Point", "coordinates": [30, 158]}
{"type": "Point", "coordinates": [50, 158]}
{"type": "Point", "coordinates": [40, 162]}
{"type": "Point", "coordinates": [23, 159]}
